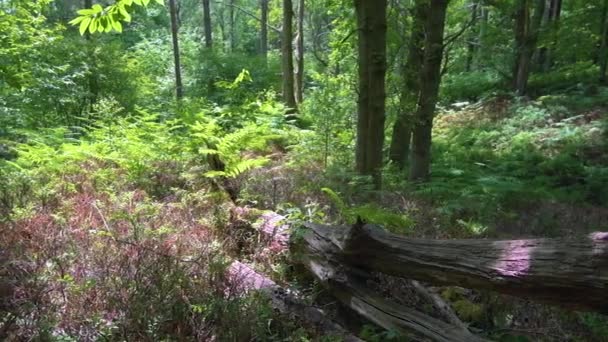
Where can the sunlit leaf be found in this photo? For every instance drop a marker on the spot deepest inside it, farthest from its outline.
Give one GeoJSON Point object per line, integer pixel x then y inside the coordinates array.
{"type": "Point", "coordinates": [84, 24]}
{"type": "Point", "coordinates": [93, 25]}
{"type": "Point", "coordinates": [117, 26]}
{"type": "Point", "coordinates": [125, 14]}
{"type": "Point", "coordinates": [77, 20]}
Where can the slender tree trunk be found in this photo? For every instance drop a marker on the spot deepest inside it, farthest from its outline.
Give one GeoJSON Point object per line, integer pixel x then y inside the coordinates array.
{"type": "Point", "coordinates": [207, 24]}
{"type": "Point", "coordinates": [471, 43]}
{"type": "Point", "coordinates": [603, 54]}
{"type": "Point", "coordinates": [483, 35]}
{"type": "Point", "coordinates": [232, 28]}
{"type": "Point", "coordinates": [299, 76]}
{"type": "Point", "coordinates": [429, 89]}
{"type": "Point", "coordinates": [527, 30]}
{"type": "Point", "coordinates": [174, 30]}
{"type": "Point", "coordinates": [287, 57]}
{"type": "Point", "coordinates": [402, 131]}
{"type": "Point", "coordinates": [92, 78]}
{"type": "Point", "coordinates": [264, 29]}
{"type": "Point", "coordinates": [372, 27]}
{"type": "Point", "coordinates": [554, 14]}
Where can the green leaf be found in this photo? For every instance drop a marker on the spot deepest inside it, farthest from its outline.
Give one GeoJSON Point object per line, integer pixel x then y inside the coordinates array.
{"type": "Point", "coordinates": [125, 14]}
{"type": "Point", "coordinates": [146, 2]}
{"type": "Point", "coordinates": [138, 2]}
{"type": "Point", "coordinates": [93, 25]}
{"type": "Point", "coordinates": [84, 24]}
{"type": "Point", "coordinates": [117, 26]}
{"type": "Point", "coordinates": [97, 8]}
{"type": "Point", "coordinates": [77, 20]}
{"type": "Point", "coordinates": [85, 12]}
{"type": "Point", "coordinates": [109, 24]}
{"type": "Point", "coordinates": [160, 2]}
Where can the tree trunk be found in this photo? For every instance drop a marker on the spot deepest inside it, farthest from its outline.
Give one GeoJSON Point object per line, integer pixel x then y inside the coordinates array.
{"type": "Point", "coordinates": [371, 23]}
{"type": "Point", "coordinates": [527, 30]}
{"type": "Point", "coordinates": [483, 36]}
{"type": "Point", "coordinates": [603, 54]}
{"type": "Point", "coordinates": [92, 78]}
{"type": "Point", "coordinates": [299, 76]}
{"type": "Point", "coordinates": [242, 279]}
{"type": "Point", "coordinates": [402, 131]}
{"type": "Point", "coordinates": [174, 30]}
{"type": "Point", "coordinates": [552, 22]}
{"type": "Point", "coordinates": [429, 89]}
{"type": "Point", "coordinates": [287, 57]}
{"type": "Point", "coordinates": [471, 43]}
{"type": "Point", "coordinates": [232, 29]}
{"type": "Point", "coordinates": [569, 272]}
{"type": "Point", "coordinates": [264, 29]}
{"type": "Point", "coordinates": [207, 24]}
{"type": "Point", "coordinates": [555, 14]}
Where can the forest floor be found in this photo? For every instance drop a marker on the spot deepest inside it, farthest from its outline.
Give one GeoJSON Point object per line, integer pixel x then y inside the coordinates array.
{"type": "Point", "coordinates": [101, 248]}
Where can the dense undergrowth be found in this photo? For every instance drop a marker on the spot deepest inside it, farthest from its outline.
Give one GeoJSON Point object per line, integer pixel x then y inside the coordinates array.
{"type": "Point", "coordinates": [120, 229]}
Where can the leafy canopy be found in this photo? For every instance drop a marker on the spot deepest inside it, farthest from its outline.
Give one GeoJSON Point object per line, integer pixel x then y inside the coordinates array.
{"type": "Point", "coordinates": [100, 19]}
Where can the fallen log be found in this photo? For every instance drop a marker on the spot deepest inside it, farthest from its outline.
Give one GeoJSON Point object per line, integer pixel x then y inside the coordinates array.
{"type": "Point", "coordinates": [567, 272]}
{"type": "Point", "coordinates": [243, 279]}
{"type": "Point", "coordinates": [353, 293]}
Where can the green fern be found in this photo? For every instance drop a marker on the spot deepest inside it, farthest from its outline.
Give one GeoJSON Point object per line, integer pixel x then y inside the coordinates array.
{"type": "Point", "coordinates": [397, 223]}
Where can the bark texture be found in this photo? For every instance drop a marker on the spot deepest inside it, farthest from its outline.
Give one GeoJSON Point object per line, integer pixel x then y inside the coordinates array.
{"type": "Point", "coordinates": [402, 131]}
{"type": "Point", "coordinates": [527, 29]}
{"type": "Point", "coordinates": [174, 31]}
{"type": "Point", "coordinates": [471, 40]}
{"type": "Point", "coordinates": [242, 279]}
{"type": "Point", "coordinates": [207, 24]}
{"type": "Point", "coordinates": [92, 77]}
{"type": "Point", "coordinates": [264, 28]}
{"type": "Point", "coordinates": [232, 28]}
{"type": "Point", "coordinates": [287, 57]}
{"type": "Point", "coordinates": [571, 273]}
{"type": "Point", "coordinates": [429, 90]}
{"type": "Point", "coordinates": [371, 24]}
{"type": "Point", "coordinates": [603, 53]}
{"type": "Point", "coordinates": [321, 255]}
{"type": "Point", "coordinates": [553, 15]}
{"type": "Point", "coordinates": [299, 75]}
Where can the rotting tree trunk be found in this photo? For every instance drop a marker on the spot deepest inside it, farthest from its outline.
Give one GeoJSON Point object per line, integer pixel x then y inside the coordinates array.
{"type": "Point", "coordinates": [429, 91]}
{"type": "Point", "coordinates": [603, 53]}
{"type": "Point", "coordinates": [174, 31]}
{"type": "Point", "coordinates": [527, 31]}
{"type": "Point", "coordinates": [264, 28]}
{"type": "Point", "coordinates": [242, 279]}
{"type": "Point", "coordinates": [353, 293]}
{"type": "Point", "coordinates": [320, 253]}
{"type": "Point", "coordinates": [371, 23]}
{"type": "Point", "coordinates": [569, 272]}
{"type": "Point", "coordinates": [402, 130]}
{"type": "Point", "coordinates": [287, 58]}
{"type": "Point", "coordinates": [299, 73]}
{"type": "Point", "coordinates": [207, 24]}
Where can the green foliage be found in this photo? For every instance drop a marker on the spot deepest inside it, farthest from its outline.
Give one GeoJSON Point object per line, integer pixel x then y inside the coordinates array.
{"type": "Point", "coordinates": [370, 213]}
{"type": "Point", "coordinates": [596, 323]}
{"type": "Point", "coordinates": [373, 334]}
{"type": "Point", "coordinates": [469, 86]}
{"type": "Point", "coordinates": [100, 19]}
